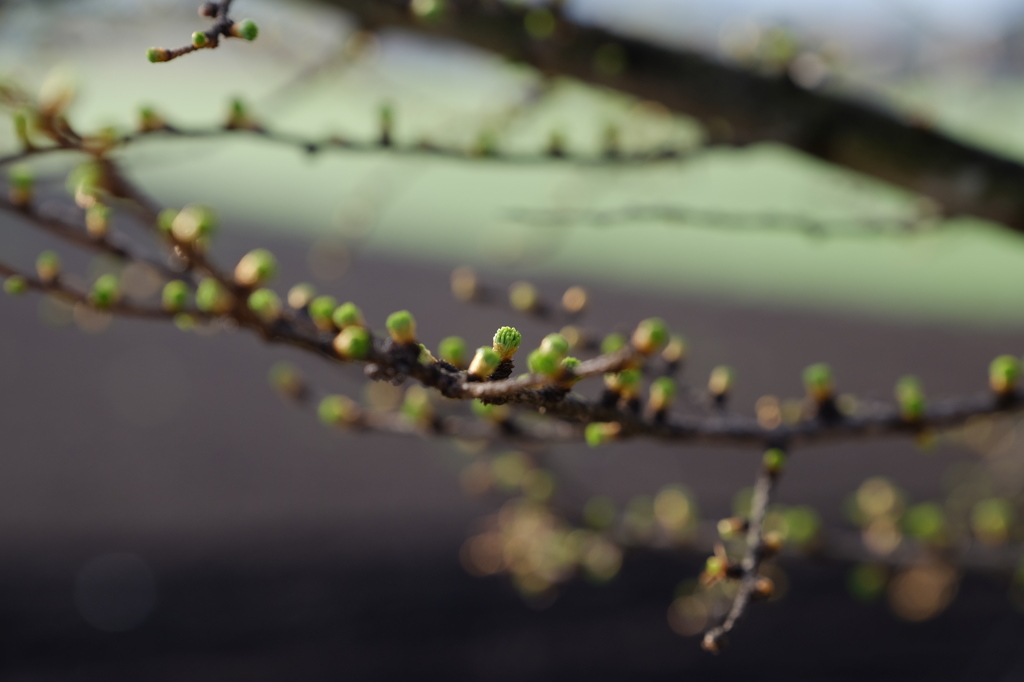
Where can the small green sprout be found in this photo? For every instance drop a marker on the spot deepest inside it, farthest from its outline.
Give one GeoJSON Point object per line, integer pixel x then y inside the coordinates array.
{"type": "Point", "coordinates": [157, 54]}
{"type": "Point", "coordinates": [650, 335]}
{"type": "Point", "coordinates": [453, 351]}
{"type": "Point", "coordinates": [567, 369]}
{"type": "Point", "coordinates": [819, 382]}
{"type": "Point", "coordinates": [544, 362]}
{"type": "Point", "coordinates": [612, 343]}
{"type": "Point", "coordinates": [266, 304]}
{"type": "Point", "coordinates": [600, 433]}
{"type": "Point", "coordinates": [506, 342]}
{"type": "Point", "coordinates": [556, 344]}
{"type": "Point", "coordinates": [662, 393]}
{"type": "Point", "coordinates": [255, 268]}
{"type": "Point", "coordinates": [1003, 374]}
{"type": "Point", "coordinates": [15, 285]}
{"type": "Point", "coordinates": [22, 183]}
{"type": "Point", "coordinates": [175, 296]}
{"type": "Point", "coordinates": [106, 291]}
{"type": "Point", "coordinates": [401, 326]}
{"type": "Point", "coordinates": [721, 381]}
{"type": "Point", "coordinates": [321, 311]}
{"type": "Point", "coordinates": [348, 315]}
{"type": "Point", "coordinates": [212, 297]}
{"type": "Point", "coordinates": [774, 461]}
{"type": "Point", "coordinates": [625, 383]}
{"type": "Point", "coordinates": [97, 221]}
{"type": "Point", "coordinates": [200, 40]}
{"type": "Point", "coordinates": [245, 29]}
{"type": "Point", "coordinates": [353, 343]}
{"type": "Point", "coordinates": [910, 397]}
{"type": "Point", "coordinates": [337, 410]}
{"type": "Point", "coordinates": [48, 267]}
{"type": "Point", "coordinates": [484, 362]}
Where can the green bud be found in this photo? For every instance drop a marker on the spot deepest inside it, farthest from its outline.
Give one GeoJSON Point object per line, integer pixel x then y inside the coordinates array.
{"type": "Point", "coordinates": [1003, 374]}
{"type": "Point", "coordinates": [245, 29]}
{"type": "Point", "coordinates": [353, 343]}
{"type": "Point", "coordinates": [484, 362]}
{"type": "Point", "coordinates": [675, 350]}
{"type": "Point", "coordinates": [721, 380]}
{"type": "Point", "coordinates": [348, 315]}
{"type": "Point", "coordinates": [48, 266]}
{"type": "Point", "coordinates": [716, 566]}
{"type": "Point", "coordinates": [818, 382]}
{"type": "Point", "coordinates": [256, 268]}
{"type": "Point", "coordinates": [15, 285]}
{"type": "Point", "coordinates": [22, 182]}
{"type": "Point", "coordinates": [157, 54]}
{"type": "Point", "coordinates": [175, 296]}
{"type": "Point", "coordinates": [97, 220]}
{"type": "Point", "coordinates": [650, 335]}
{"type": "Point", "coordinates": [211, 297]}
{"type": "Point", "coordinates": [106, 291]}
{"type": "Point", "coordinates": [402, 327]}
{"type": "Point", "coordinates": [663, 392]}
{"type": "Point", "coordinates": [626, 383]}
{"type": "Point", "coordinates": [266, 304]}
{"type": "Point", "coordinates": [335, 410]}
{"type": "Point", "coordinates": [321, 311]}
{"type": "Point", "coordinates": [567, 369]}
{"type": "Point", "coordinates": [555, 344]}
{"type": "Point", "coordinates": [926, 521]}
{"type": "Point", "coordinates": [417, 406]}
{"type": "Point", "coordinates": [286, 379]}
{"type": "Point", "coordinates": [774, 461]}
{"type": "Point", "coordinates": [506, 342]}
{"type": "Point", "coordinates": [300, 295]}
{"type": "Point", "coordinates": [612, 343]}
{"type": "Point", "coordinates": [426, 357]}
{"type": "Point", "coordinates": [910, 397]}
{"type": "Point", "coordinates": [544, 362]}
{"type": "Point", "coordinates": [193, 222]}
{"type": "Point", "coordinates": [199, 39]}
{"type": "Point", "coordinates": [165, 220]}
{"type": "Point", "coordinates": [523, 296]}
{"type": "Point", "coordinates": [600, 433]}
{"type": "Point", "coordinates": [453, 351]}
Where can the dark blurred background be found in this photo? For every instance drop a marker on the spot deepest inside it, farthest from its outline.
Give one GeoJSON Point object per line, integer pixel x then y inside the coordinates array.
{"type": "Point", "coordinates": [165, 515]}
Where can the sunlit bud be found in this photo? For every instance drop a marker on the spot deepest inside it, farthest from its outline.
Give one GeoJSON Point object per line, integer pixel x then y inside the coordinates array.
{"type": "Point", "coordinates": [337, 410]}
{"type": "Point", "coordinates": [600, 433]}
{"type": "Point", "coordinates": [506, 342]}
{"type": "Point", "coordinates": [353, 343]}
{"type": "Point", "coordinates": [15, 285]}
{"type": "Point", "coordinates": [663, 391]}
{"type": "Point", "coordinates": [300, 295]}
{"type": "Point", "coordinates": [774, 461]}
{"type": "Point", "coordinates": [555, 344]}
{"type": "Point", "coordinates": [453, 351]}
{"type": "Point", "coordinates": [348, 315]}
{"type": "Point", "coordinates": [612, 343]}
{"type": "Point", "coordinates": [401, 326]}
{"type": "Point", "coordinates": [650, 335]}
{"type": "Point", "coordinates": [386, 123]}
{"type": "Point", "coordinates": [732, 528]}
{"type": "Point", "coordinates": [106, 291]}
{"type": "Point", "coordinates": [625, 383]}
{"type": "Point", "coordinates": [157, 54]}
{"type": "Point", "coordinates": [149, 120]}
{"type": "Point", "coordinates": [175, 296]}
{"type": "Point", "coordinates": [674, 351]}
{"type": "Point", "coordinates": [764, 588]}
{"type": "Point", "coordinates": [245, 29]}
{"type": "Point", "coordinates": [428, 10]}
{"type": "Point", "coordinates": [574, 300]}
{"type": "Point", "coordinates": [819, 383]}
{"type": "Point", "coordinates": [321, 311]}
{"type": "Point", "coordinates": [417, 406]}
{"type": "Point", "coordinates": [523, 296]}
{"type": "Point", "coordinates": [543, 362]}
{"type": "Point", "coordinates": [266, 304]}
{"type": "Point", "coordinates": [192, 222]}
{"type": "Point", "coordinates": [484, 362]}
{"type": "Point", "coordinates": [716, 566]}
{"type": "Point", "coordinates": [200, 40]}
{"type": "Point", "coordinates": [48, 266]}
{"type": "Point", "coordinates": [97, 220]}
{"type": "Point", "coordinates": [22, 181]}
{"type": "Point", "coordinates": [1003, 374]}
{"type": "Point", "coordinates": [426, 357]}
{"type": "Point", "coordinates": [910, 397]}
{"type": "Point", "coordinates": [287, 380]}
{"type": "Point", "coordinates": [212, 297]}
{"type": "Point", "coordinates": [256, 268]}
{"type": "Point", "coordinates": [721, 381]}
{"type": "Point", "coordinates": [556, 144]}
{"type": "Point", "coordinates": [465, 286]}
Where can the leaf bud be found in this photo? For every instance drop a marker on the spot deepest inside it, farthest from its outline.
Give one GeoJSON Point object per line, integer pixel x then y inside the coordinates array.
{"type": "Point", "coordinates": [15, 285]}
{"type": "Point", "coordinates": [556, 344]}
{"type": "Point", "coordinates": [600, 433]}
{"type": "Point", "coordinates": [401, 326]}
{"type": "Point", "coordinates": [266, 304]}
{"type": "Point", "coordinates": [106, 291]}
{"type": "Point", "coordinates": [506, 342]}
{"type": "Point", "coordinates": [321, 311]}
{"type": "Point", "coordinates": [650, 335]}
{"type": "Point", "coordinates": [484, 362]}
{"type": "Point", "coordinates": [819, 382]}
{"type": "Point", "coordinates": [175, 296]}
{"type": "Point", "coordinates": [245, 29]}
{"type": "Point", "coordinates": [300, 295]}
{"type": "Point", "coordinates": [348, 315]}
{"type": "Point", "coordinates": [910, 397]}
{"type": "Point", "coordinates": [453, 351]}
{"type": "Point", "coordinates": [1003, 374]}
{"type": "Point", "coordinates": [48, 267]}
{"type": "Point", "coordinates": [353, 343]}
{"type": "Point", "coordinates": [337, 410]}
